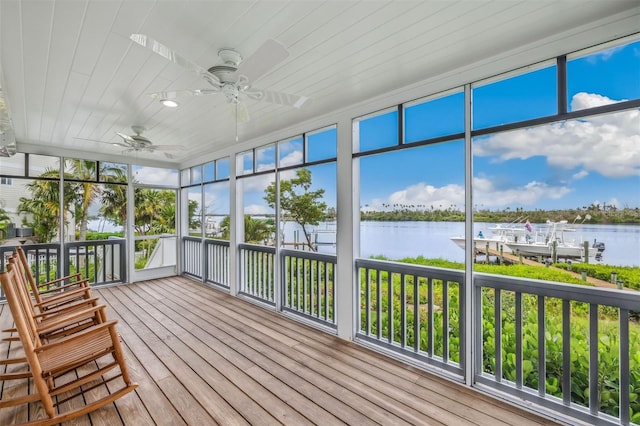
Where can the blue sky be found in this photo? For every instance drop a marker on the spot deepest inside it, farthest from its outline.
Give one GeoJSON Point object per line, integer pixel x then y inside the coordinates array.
{"type": "Point", "coordinates": [563, 165]}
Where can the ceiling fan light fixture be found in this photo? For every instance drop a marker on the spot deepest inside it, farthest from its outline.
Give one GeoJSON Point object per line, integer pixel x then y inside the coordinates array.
{"type": "Point", "coordinates": [171, 103]}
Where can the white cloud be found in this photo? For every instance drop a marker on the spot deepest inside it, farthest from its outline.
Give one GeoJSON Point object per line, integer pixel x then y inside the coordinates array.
{"type": "Point", "coordinates": [428, 195]}
{"type": "Point", "coordinates": [607, 144]}
{"type": "Point", "coordinates": [486, 194]}
{"type": "Point", "coordinates": [425, 196]}
{"type": "Point", "coordinates": [155, 175]}
{"type": "Point", "coordinates": [294, 157]}
{"type": "Point", "coordinates": [257, 210]}
{"type": "Point", "coordinates": [257, 183]}
{"type": "Point", "coordinates": [580, 175]}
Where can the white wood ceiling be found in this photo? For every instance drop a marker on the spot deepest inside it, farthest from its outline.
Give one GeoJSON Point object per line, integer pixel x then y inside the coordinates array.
{"type": "Point", "coordinates": [71, 72]}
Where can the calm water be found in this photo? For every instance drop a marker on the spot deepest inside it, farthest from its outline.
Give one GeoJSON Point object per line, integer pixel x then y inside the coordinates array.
{"type": "Point", "coordinates": [396, 240]}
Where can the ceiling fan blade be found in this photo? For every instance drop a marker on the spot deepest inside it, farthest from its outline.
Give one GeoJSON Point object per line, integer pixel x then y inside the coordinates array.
{"type": "Point", "coordinates": [127, 139]}
{"type": "Point", "coordinates": [296, 101]}
{"type": "Point", "coordinates": [105, 142]}
{"type": "Point", "coordinates": [262, 60]}
{"type": "Point", "coordinates": [171, 55]}
{"type": "Point", "coordinates": [167, 147]}
{"type": "Point", "coordinates": [187, 92]}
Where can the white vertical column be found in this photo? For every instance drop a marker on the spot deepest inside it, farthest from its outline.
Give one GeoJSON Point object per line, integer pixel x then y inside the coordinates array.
{"type": "Point", "coordinates": [347, 235]}
{"type": "Point", "coordinates": [131, 247]}
{"type": "Point", "coordinates": [236, 220]}
{"type": "Point", "coordinates": [468, 234]}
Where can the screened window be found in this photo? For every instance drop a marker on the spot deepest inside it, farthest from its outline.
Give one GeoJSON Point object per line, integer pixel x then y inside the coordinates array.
{"type": "Point", "coordinates": [80, 169]}
{"type": "Point", "coordinates": [434, 118]}
{"type": "Point", "coordinates": [266, 157]}
{"type": "Point", "coordinates": [209, 171]}
{"type": "Point", "coordinates": [522, 97]}
{"type": "Point", "coordinates": [290, 152]}
{"type": "Point", "coordinates": [13, 165]}
{"type": "Point", "coordinates": [244, 163]}
{"type": "Point", "coordinates": [376, 131]}
{"type": "Point", "coordinates": [155, 176]}
{"type": "Point", "coordinates": [196, 175]}
{"type": "Point", "coordinates": [112, 172]}
{"type": "Point", "coordinates": [603, 77]}
{"type": "Point", "coordinates": [322, 144]}
{"type": "Point", "coordinates": [222, 168]}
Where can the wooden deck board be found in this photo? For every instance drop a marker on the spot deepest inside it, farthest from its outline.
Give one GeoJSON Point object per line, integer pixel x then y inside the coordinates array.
{"type": "Point", "coordinates": [202, 357]}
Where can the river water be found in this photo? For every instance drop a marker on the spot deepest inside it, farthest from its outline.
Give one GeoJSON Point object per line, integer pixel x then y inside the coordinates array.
{"type": "Point", "coordinates": [396, 240]}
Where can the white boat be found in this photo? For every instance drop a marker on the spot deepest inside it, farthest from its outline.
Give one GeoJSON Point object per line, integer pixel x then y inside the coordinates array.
{"type": "Point", "coordinates": [501, 234]}
{"type": "Point", "coordinates": [554, 240]}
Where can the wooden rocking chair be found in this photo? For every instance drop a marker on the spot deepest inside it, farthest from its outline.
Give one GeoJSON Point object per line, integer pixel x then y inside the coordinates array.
{"type": "Point", "coordinates": [49, 313]}
{"type": "Point", "coordinates": [50, 360]}
{"type": "Point", "coordinates": [56, 292]}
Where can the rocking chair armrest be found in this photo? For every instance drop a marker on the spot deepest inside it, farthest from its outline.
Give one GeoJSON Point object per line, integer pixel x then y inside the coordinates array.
{"type": "Point", "coordinates": [63, 308]}
{"type": "Point", "coordinates": [70, 338]}
{"type": "Point", "coordinates": [78, 284]}
{"type": "Point", "coordinates": [60, 298]}
{"type": "Point", "coordinates": [62, 279]}
{"type": "Point", "coordinates": [73, 318]}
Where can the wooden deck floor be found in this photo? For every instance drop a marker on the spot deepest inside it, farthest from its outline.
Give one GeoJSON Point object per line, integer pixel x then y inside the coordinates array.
{"type": "Point", "coordinates": [202, 357]}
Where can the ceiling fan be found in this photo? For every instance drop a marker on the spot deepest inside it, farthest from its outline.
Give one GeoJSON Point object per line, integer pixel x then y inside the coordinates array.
{"type": "Point", "coordinates": [138, 143]}
{"type": "Point", "coordinates": [232, 77]}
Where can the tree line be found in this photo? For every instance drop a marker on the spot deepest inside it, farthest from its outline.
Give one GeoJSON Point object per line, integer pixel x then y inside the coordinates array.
{"type": "Point", "coordinates": [594, 214]}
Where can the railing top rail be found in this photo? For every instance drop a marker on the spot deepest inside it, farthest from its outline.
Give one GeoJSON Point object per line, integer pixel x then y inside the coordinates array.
{"type": "Point", "coordinates": [309, 255]}
{"type": "Point", "coordinates": [110, 241]}
{"type": "Point", "coordinates": [34, 246]}
{"type": "Point", "coordinates": [411, 269]}
{"type": "Point", "coordinates": [191, 238]}
{"type": "Point", "coordinates": [256, 247]}
{"type": "Point", "coordinates": [602, 296]}
{"type": "Point", "coordinates": [217, 242]}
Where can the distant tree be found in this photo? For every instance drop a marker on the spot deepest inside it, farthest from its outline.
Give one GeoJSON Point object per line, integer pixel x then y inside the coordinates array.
{"type": "Point", "coordinates": [194, 215]}
{"type": "Point", "coordinates": [256, 231]}
{"type": "Point", "coordinates": [298, 202]}
{"type": "Point", "coordinates": [114, 197]}
{"type": "Point", "coordinates": [4, 221]}
{"type": "Point", "coordinates": [42, 209]}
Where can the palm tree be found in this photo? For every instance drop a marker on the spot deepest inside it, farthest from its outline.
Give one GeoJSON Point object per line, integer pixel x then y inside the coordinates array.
{"type": "Point", "coordinates": [255, 230]}
{"type": "Point", "coordinates": [87, 191]}
{"type": "Point", "coordinates": [114, 196]}
{"type": "Point", "coordinates": [42, 209]}
{"type": "Point", "coordinates": [4, 221]}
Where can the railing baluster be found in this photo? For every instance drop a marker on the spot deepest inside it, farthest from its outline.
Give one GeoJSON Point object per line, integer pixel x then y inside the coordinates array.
{"type": "Point", "coordinates": [566, 352]}
{"type": "Point", "coordinates": [593, 359]}
{"type": "Point", "coordinates": [379, 303]}
{"type": "Point", "coordinates": [624, 366]}
{"type": "Point", "coordinates": [542, 364]}
{"type": "Point", "coordinates": [518, 319]}
{"type": "Point", "coordinates": [497, 315]}
{"type": "Point", "coordinates": [445, 321]}
{"type": "Point", "coordinates": [390, 306]}
{"type": "Point", "coordinates": [430, 343]}
{"type": "Point", "coordinates": [403, 309]}
{"type": "Point", "coordinates": [367, 304]}
{"type": "Point", "coordinates": [416, 313]}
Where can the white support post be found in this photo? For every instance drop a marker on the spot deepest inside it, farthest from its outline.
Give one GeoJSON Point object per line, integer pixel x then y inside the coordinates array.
{"type": "Point", "coordinates": [468, 234]}
{"type": "Point", "coordinates": [235, 234]}
{"type": "Point", "coordinates": [131, 244]}
{"type": "Point", "coordinates": [347, 235]}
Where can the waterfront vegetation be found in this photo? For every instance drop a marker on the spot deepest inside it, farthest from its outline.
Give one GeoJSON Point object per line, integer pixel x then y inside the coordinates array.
{"type": "Point", "coordinates": [593, 214]}
{"type": "Point", "coordinates": [608, 332]}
